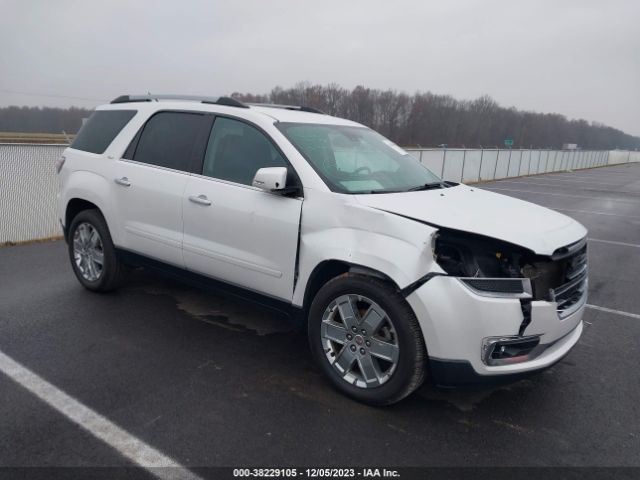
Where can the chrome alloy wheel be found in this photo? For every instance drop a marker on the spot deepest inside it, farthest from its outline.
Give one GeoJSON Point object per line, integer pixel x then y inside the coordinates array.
{"type": "Point", "coordinates": [88, 252]}
{"type": "Point", "coordinates": [360, 341]}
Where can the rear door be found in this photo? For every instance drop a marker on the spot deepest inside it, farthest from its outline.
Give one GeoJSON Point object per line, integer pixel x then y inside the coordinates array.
{"type": "Point", "coordinates": [150, 181]}
{"type": "Point", "coordinates": [236, 232]}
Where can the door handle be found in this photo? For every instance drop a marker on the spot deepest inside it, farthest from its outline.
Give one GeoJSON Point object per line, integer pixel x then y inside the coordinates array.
{"type": "Point", "coordinates": [200, 199]}
{"type": "Point", "coordinates": [124, 181]}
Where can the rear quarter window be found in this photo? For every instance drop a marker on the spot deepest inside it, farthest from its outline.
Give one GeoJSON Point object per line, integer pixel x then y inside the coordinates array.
{"type": "Point", "coordinates": [170, 139]}
{"type": "Point", "coordinates": [100, 129]}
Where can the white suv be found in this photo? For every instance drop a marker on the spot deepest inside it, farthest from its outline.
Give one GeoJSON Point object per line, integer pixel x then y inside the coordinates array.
{"type": "Point", "coordinates": [398, 274]}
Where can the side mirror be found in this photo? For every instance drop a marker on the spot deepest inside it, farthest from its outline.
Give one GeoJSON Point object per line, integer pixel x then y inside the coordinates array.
{"type": "Point", "coordinates": [271, 178]}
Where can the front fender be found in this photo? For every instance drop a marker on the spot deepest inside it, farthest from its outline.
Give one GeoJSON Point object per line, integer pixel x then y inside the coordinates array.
{"type": "Point", "coordinates": [333, 229]}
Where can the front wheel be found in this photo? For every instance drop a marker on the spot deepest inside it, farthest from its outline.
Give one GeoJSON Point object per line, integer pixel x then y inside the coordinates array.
{"type": "Point", "coordinates": [92, 253]}
{"type": "Point", "coordinates": [366, 339]}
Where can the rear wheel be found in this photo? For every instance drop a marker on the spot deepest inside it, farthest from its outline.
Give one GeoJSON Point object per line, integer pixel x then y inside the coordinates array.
{"type": "Point", "coordinates": [366, 339]}
{"type": "Point", "coordinates": [92, 254]}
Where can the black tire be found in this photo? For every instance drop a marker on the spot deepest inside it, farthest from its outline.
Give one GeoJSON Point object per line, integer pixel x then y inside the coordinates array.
{"type": "Point", "coordinates": [113, 271]}
{"type": "Point", "coordinates": [410, 370]}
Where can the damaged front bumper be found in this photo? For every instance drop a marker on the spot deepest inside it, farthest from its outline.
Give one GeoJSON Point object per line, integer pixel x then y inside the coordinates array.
{"type": "Point", "coordinates": [472, 338]}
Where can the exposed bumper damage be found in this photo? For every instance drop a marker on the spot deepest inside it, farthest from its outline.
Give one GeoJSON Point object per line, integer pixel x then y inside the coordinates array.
{"type": "Point", "coordinates": [507, 311]}
{"type": "Point", "coordinates": [461, 329]}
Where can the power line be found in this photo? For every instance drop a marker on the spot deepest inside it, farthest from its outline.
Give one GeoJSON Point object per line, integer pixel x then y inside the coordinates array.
{"type": "Point", "coordinates": [32, 94]}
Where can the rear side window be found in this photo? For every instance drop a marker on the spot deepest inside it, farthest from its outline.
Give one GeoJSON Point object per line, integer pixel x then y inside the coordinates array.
{"type": "Point", "coordinates": [168, 140]}
{"type": "Point", "coordinates": [99, 131]}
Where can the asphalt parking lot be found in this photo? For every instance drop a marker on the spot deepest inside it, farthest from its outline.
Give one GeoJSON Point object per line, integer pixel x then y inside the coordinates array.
{"type": "Point", "coordinates": [209, 381]}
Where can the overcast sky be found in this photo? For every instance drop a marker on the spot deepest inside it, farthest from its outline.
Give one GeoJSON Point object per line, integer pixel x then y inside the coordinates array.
{"type": "Point", "coordinates": [580, 58]}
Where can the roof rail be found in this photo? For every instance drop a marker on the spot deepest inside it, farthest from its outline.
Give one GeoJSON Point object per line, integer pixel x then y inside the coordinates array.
{"type": "Point", "coordinates": [227, 101]}
{"type": "Point", "coordinates": [300, 108]}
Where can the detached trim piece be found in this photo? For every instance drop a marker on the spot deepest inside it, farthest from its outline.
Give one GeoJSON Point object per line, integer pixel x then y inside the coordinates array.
{"type": "Point", "coordinates": [409, 289]}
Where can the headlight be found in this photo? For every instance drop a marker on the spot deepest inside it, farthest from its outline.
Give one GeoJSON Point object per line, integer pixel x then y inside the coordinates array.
{"type": "Point", "coordinates": [487, 266]}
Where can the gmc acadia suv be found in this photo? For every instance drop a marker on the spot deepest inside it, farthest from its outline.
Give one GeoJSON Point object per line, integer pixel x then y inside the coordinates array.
{"type": "Point", "coordinates": [399, 275]}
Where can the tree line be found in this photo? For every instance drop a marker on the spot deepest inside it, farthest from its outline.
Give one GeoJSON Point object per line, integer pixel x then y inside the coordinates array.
{"type": "Point", "coordinates": [423, 119]}
{"type": "Point", "coordinates": [426, 119]}
{"type": "Point", "coordinates": [42, 119]}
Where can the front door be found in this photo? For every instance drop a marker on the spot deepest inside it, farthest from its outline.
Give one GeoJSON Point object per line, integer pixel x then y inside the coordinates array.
{"type": "Point", "coordinates": [236, 232]}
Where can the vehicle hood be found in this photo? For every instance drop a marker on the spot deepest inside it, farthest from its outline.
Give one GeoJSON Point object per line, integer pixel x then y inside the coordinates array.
{"type": "Point", "coordinates": [473, 210]}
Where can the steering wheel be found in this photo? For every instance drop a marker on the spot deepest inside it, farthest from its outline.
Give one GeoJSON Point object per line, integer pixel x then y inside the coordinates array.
{"type": "Point", "coordinates": [362, 169]}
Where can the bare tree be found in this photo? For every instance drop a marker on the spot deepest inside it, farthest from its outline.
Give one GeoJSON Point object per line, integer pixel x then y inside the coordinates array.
{"type": "Point", "coordinates": [424, 118]}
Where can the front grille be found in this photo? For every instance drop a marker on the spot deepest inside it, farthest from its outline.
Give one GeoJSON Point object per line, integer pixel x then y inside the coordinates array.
{"type": "Point", "coordinates": [572, 293]}
{"type": "Point", "coordinates": [563, 279]}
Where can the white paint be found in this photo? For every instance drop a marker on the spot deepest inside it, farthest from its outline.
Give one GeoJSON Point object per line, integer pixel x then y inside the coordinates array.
{"type": "Point", "coordinates": [248, 237]}
{"type": "Point", "coordinates": [100, 427]}
{"type": "Point", "coordinates": [449, 334]}
{"type": "Point", "coordinates": [611, 310]}
{"type": "Point", "coordinates": [483, 212]}
{"type": "Point", "coordinates": [612, 242]}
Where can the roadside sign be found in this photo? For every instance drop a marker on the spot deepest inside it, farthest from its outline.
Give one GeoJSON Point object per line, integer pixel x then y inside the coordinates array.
{"type": "Point", "coordinates": [508, 142]}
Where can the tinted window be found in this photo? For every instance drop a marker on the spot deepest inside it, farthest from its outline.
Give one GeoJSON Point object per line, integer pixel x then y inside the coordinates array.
{"type": "Point", "coordinates": [100, 129]}
{"type": "Point", "coordinates": [168, 140]}
{"type": "Point", "coordinates": [237, 150]}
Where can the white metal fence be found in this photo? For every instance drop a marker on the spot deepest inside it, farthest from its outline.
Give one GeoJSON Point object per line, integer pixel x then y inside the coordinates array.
{"type": "Point", "coordinates": [28, 181]}
{"type": "Point", "coordinates": [475, 165]}
{"type": "Point", "coordinates": [28, 185]}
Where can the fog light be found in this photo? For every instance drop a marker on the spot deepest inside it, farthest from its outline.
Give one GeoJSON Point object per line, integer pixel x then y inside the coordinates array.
{"type": "Point", "coordinates": [505, 350]}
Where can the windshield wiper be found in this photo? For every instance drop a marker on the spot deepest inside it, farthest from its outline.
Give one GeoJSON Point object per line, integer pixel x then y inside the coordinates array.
{"type": "Point", "coordinates": [371, 192]}
{"type": "Point", "coordinates": [428, 186]}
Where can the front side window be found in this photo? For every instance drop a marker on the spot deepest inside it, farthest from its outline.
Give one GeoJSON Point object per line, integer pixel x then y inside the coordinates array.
{"type": "Point", "coordinates": [237, 150]}
{"type": "Point", "coordinates": [357, 159]}
{"type": "Point", "coordinates": [168, 140]}
{"type": "Point", "coordinates": [100, 129]}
